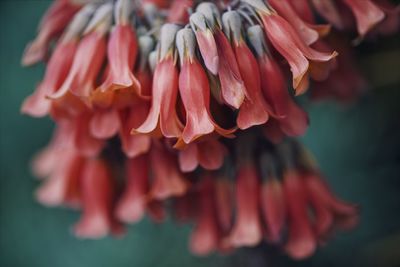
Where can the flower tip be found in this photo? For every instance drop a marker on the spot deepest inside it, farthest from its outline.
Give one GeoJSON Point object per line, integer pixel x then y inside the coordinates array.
{"type": "Point", "coordinates": [202, 245]}
{"type": "Point", "coordinates": [34, 52]}
{"type": "Point", "coordinates": [33, 108]}
{"type": "Point", "coordinates": [130, 212]}
{"type": "Point", "coordinates": [302, 249]}
{"type": "Point", "coordinates": [92, 228]}
{"type": "Point", "coordinates": [48, 197]}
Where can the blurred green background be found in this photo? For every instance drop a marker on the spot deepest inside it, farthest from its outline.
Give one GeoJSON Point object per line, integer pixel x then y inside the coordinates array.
{"type": "Point", "coordinates": [357, 146]}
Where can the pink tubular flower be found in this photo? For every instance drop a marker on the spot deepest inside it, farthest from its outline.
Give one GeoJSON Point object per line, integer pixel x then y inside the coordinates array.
{"type": "Point", "coordinates": [224, 203]}
{"type": "Point", "coordinates": [122, 51]}
{"type": "Point", "coordinates": [295, 120]}
{"type": "Point", "coordinates": [57, 70]}
{"type": "Point", "coordinates": [254, 110]}
{"type": "Point", "coordinates": [52, 24]}
{"type": "Point", "coordinates": [208, 153]}
{"type": "Point", "coordinates": [301, 238]}
{"type": "Point", "coordinates": [104, 124]}
{"type": "Point", "coordinates": [132, 204]}
{"type": "Point", "coordinates": [328, 209]}
{"type": "Point", "coordinates": [58, 66]}
{"type": "Point", "coordinates": [193, 103]}
{"type": "Point", "coordinates": [292, 119]}
{"type": "Point", "coordinates": [273, 208]}
{"type": "Point", "coordinates": [307, 32]}
{"type": "Point", "coordinates": [206, 42]}
{"type": "Point", "coordinates": [194, 91]}
{"type": "Point", "coordinates": [167, 179]}
{"type": "Point", "coordinates": [205, 236]}
{"type": "Point", "coordinates": [232, 87]}
{"type": "Point", "coordinates": [89, 56]}
{"type": "Point", "coordinates": [165, 89]}
{"type": "Point", "coordinates": [246, 230]}
{"type": "Point", "coordinates": [98, 191]}
{"type": "Point", "coordinates": [61, 187]}
{"type": "Point", "coordinates": [367, 14]}
{"type": "Point", "coordinates": [289, 44]}
{"type": "Point", "coordinates": [45, 162]}
{"type": "Point", "coordinates": [133, 145]}
{"type": "Point", "coordinates": [84, 141]}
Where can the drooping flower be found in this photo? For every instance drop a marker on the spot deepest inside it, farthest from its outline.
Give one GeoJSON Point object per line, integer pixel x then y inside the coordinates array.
{"type": "Point", "coordinates": [133, 202]}
{"type": "Point", "coordinates": [246, 230]}
{"type": "Point", "coordinates": [97, 200]}
{"type": "Point", "coordinates": [154, 91]}
{"type": "Point", "coordinates": [309, 33]}
{"type": "Point", "coordinates": [208, 153]}
{"type": "Point", "coordinates": [301, 237]}
{"type": "Point", "coordinates": [167, 179]}
{"type": "Point", "coordinates": [289, 44]}
{"type": "Point", "coordinates": [367, 14]}
{"type": "Point", "coordinates": [59, 65]}
{"type": "Point", "coordinates": [205, 236]}
{"type": "Point", "coordinates": [232, 87]}
{"type": "Point", "coordinates": [254, 110]}
{"type": "Point", "coordinates": [61, 187]}
{"type": "Point", "coordinates": [53, 23]}
{"type": "Point", "coordinates": [122, 51]}
{"type": "Point", "coordinates": [292, 119]}
{"type": "Point", "coordinates": [89, 56]}
{"type": "Point", "coordinates": [165, 89]}
{"type": "Point", "coordinates": [194, 91]}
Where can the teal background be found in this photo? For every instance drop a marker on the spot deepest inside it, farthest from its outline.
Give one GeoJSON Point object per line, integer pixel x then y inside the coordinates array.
{"type": "Point", "coordinates": [357, 148]}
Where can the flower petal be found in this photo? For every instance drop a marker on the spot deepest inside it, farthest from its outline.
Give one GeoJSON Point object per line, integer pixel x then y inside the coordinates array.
{"type": "Point", "coordinates": [132, 204]}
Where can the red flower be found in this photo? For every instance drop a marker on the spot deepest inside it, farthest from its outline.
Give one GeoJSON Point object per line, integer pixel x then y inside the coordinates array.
{"type": "Point", "coordinates": [84, 141]}
{"type": "Point", "coordinates": [194, 91]}
{"type": "Point", "coordinates": [206, 42]}
{"type": "Point", "coordinates": [53, 23]}
{"type": "Point", "coordinates": [104, 123]}
{"type": "Point", "coordinates": [132, 204]}
{"type": "Point", "coordinates": [254, 110]}
{"type": "Point", "coordinates": [246, 230]}
{"type": "Point", "coordinates": [292, 119]}
{"type": "Point", "coordinates": [97, 198]}
{"type": "Point", "coordinates": [289, 44]}
{"type": "Point", "coordinates": [309, 33]}
{"type": "Point", "coordinates": [329, 210]}
{"type": "Point", "coordinates": [167, 179]}
{"type": "Point", "coordinates": [58, 66]}
{"type": "Point", "coordinates": [301, 238]}
{"type": "Point", "coordinates": [133, 145]}
{"type": "Point", "coordinates": [61, 187]}
{"type": "Point", "coordinates": [367, 14]}
{"type": "Point", "coordinates": [122, 52]}
{"type": "Point", "coordinates": [224, 197]}
{"type": "Point", "coordinates": [208, 153]}
{"type": "Point", "coordinates": [273, 208]}
{"type": "Point", "coordinates": [205, 236]}
{"type": "Point", "coordinates": [165, 89]}
{"type": "Point", "coordinates": [38, 104]}
{"type": "Point", "coordinates": [89, 56]}
{"type": "Point", "coordinates": [232, 87]}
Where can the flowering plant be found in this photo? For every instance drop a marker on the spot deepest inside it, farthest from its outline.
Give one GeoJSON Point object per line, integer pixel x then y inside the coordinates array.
{"type": "Point", "coordinates": [190, 106]}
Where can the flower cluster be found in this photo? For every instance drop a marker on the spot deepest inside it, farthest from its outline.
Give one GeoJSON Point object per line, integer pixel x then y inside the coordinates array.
{"type": "Point", "coordinates": [188, 101]}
